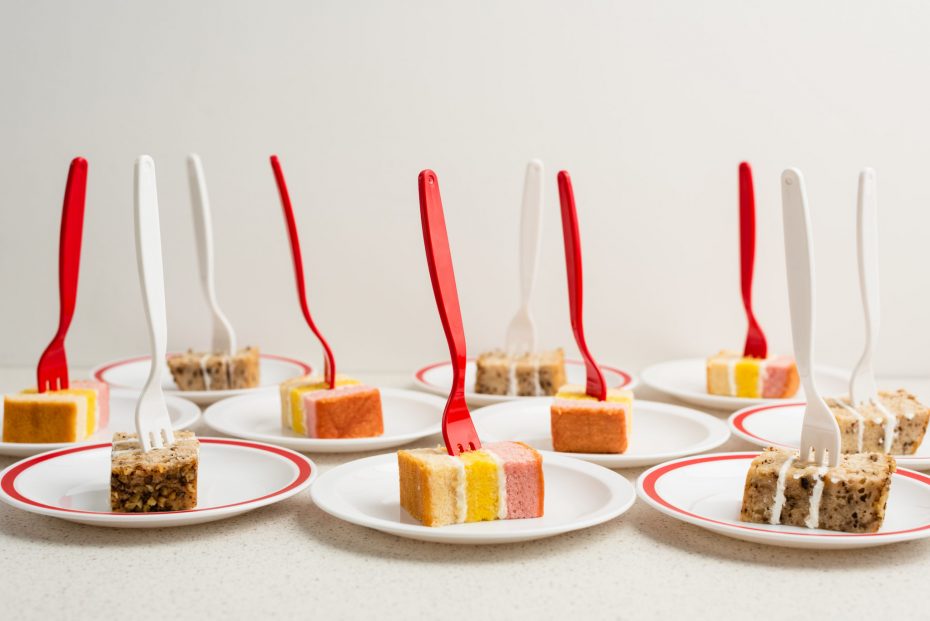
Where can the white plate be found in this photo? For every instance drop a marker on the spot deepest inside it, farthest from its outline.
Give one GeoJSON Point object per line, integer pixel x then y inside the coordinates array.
{"type": "Point", "coordinates": [708, 491]}
{"type": "Point", "coordinates": [577, 495]}
{"type": "Point", "coordinates": [133, 372]}
{"type": "Point", "coordinates": [408, 415]}
{"type": "Point", "coordinates": [687, 380]}
{"type": "Point", "coordinates": [233, 477]}
{"type": "Point", "coordinates": [660, 431]}
{"type": "Point", "coordinates": [437, 378]}
{"type": "Point", "coordinates": [779, 424]}
{"type": "Point", "coordinates": [183, 414]}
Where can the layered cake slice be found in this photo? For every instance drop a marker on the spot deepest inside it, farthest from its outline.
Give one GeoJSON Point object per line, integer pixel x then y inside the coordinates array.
{"type": "Point", "coordinates": [350, 410]}
{"type": "Point", "coordinates": [525, 375]}
{"type": "Point", "coordinates": [500, 481]}
{"type": "Point", "coordinates": [732, 375]}
{"type": "Point", "coordinates": [582, 424]}
{"type": "Point", "coordinates": [215, 371]}
{"type": "Point", "coordinates": [780, 489]}
{"type": "Point", "coordinates": [97, 395]}
{"type": "Point", "coordinates": [162, 479]}
{"type": "Point", "coordinates": [896, 424]}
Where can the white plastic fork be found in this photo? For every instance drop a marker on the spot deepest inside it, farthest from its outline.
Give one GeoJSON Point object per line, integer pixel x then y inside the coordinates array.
{"type": "Point", "coordinates": [152, 421]}
{"type": "Point", "coordinates": [862, 388]}
{"type": "Point", "coordinates": [224, 338]}
{"type": "Point", "coordinates": [820, 434]}
{"type": "Point", "coordinates": [521, 333]}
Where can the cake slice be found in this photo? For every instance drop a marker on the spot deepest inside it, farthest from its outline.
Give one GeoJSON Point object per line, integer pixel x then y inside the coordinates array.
{"type": "Point", "coordinates": [525, 375]}
{"type": "Point", "coordinates": [97, 395]}
{"type": "Point", "coordinates": [215, 371]}
{"type": "Point", "coordinates": [732, 375]}
{"type": "Point", "coordinates": [850, 498]}
{"type": "Point", "coordinates": [162, 479]}
{"type": "Point", "coordinates": [582, 424]}
{"type": "Point", "coordinates": [896, 425]}
{"type": "Point", "coordinates": [350, 410]}
{"type": "Point", "coordinates": [52, 416]}
{"type": "Point", "coordinates": [502, 480]}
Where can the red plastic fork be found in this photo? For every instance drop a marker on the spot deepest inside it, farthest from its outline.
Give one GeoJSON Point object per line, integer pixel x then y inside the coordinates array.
{"type": "Point", "coordinates": [755, 347]}
{"type": "Point", "coordinates": [329, 363]}
{"type": "Point", "coordinates": [457, 429]}
{"type": "Point", "coordinates": [595, 385]}
{"type": "Point", "coordinates": [52, 372]}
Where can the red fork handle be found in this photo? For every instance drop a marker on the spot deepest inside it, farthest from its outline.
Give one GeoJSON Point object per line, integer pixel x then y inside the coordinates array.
{"type": "Point", "coordinates": [442, 275]}
{"type": "Point", "coordinates": [595, 385]}
{"type": "Point", "coordinates": [755, 342]}
{"type": "Point", "coordinates": [329, 363]}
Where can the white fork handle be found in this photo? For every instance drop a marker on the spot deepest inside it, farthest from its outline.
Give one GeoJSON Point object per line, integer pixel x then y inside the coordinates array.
{"type": "Point", "coordinates": [530, 225]}
{"type": "Point", "coordinates": [151, 275]}
{"type": "Point", "coordinates": [862, 384]}
{"type": "Point", "coordinates": [800, 263]}
{"type": "Point", "coordinates": [224, 339]}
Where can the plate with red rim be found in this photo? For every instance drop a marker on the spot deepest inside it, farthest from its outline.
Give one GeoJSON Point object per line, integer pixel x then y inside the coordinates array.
{"type": "Point", "coordinates": [686, 380]}
{"type": "Point", "coordinates": [437, 378]}
{"type": "Point", "coordinates": [578, 495]}
{"type": "Point", "coordinates": [234, 477]}
{"type": "Point", "coordinates": [408, 415]}
{"type": "Point", "coordinates": [182, 412]}
{"type": "Point", "coordinates": [131, 373]}
{"type": "Point", "coordinates": [707, 491]}
{"type": "Point", "coordinates": [779, 425]}
{"type": "Point", "coordinates": [659, 431]}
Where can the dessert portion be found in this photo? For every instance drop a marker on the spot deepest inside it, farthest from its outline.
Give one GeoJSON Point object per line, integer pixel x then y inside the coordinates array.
{"type": "Point", "coordinates": [732, 375]}
{"type": "Point", "coordinates": [350, 410]}
{"type": "Point", "coordinates": [582, 424]}
{"type": "Point", "coordinates": [500, 481]}
{"type": "Point", "coordinates": [215, 371]}
{"type": "Point", "coordinates": [162, 479]}
{"type": "Point", "coordinates": [780, 489]}
{"type": "Point", "coordinates": [70, 415]}
{"type": "Point", "coordinates": [525, 375]}
{"type": "Point", "coordinates": [896, 424]}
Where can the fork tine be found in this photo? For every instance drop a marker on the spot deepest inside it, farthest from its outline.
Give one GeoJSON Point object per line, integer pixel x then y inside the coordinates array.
{"type": "Point", "coordinates": [157, 442]}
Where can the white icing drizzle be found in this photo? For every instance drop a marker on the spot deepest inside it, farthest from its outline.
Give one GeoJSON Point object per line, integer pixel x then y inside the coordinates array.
{"type": "Point", "coordinates": [760, 381]}
{"type": "Point", "coordinates": [501, 485]}
{"type": "Point", "coordinates": [461, 498]}
{"type": "Point", "coordinates": [512, 376]}
{"type": "Point", "coordinates": [890, 423]}
{"type": "Point", "coordinates": [203, 371]}
{"type": "Point", "coordinates": [779, 500]}
{"type": "Point", "coordinates": [860, 418]}
{"type": "Point", "coordinates": [537, 387]}
{"type": "Point", "coordinates": [813, 513]}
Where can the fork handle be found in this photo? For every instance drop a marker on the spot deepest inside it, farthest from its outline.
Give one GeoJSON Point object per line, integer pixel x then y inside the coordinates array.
{"type": "Point", "coordinates": [862, 385]}
{"type": "Point", "coordinates": [755, 340]}
{"type": "Point", "coordinates": [595, 385]}
{"type": "Point", "coordinates": [530, 225]}
{"type": "Point", "coordinates": [151, 271]}
{"type": "Point", "coordinates": [800, 271]}
{"type": "Point", "coordinates": [442, 275]}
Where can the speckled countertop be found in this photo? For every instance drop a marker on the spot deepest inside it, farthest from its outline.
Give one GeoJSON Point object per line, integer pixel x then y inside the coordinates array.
{"type": "Point", "coordinates": [292, 560]}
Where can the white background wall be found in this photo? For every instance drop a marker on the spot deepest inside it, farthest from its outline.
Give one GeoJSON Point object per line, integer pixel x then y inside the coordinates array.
{"type": "Point", "coordinates": [650, 105]}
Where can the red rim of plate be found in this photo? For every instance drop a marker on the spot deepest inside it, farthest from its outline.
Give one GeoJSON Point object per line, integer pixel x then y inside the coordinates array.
{"type": "Point", "coordinates": [652, 477]}
{"type": "Point", "coordinates": [627, 378]}
{"type": "Point", "coordinates": [8, 482]}
{"type": "Point", "coordinates": [306, 368]}
{"type": "Point", "coordinates": [740, 417]}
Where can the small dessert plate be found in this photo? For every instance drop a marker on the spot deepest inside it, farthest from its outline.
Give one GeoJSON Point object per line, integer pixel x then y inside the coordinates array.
{"type": "Point", "coordinates": [133, 372]}
{"type": "Point", "coordinates": [660, 431]}
{"type": "Point", "coordinates": [687, 380]}
{"type": "Point", "coordinates": [183, 414]}
{"type": "Point", "coordinates": [437, 378]}
{"type": "Point", "coordinates": [233, 477]}
{"type": "Point", "coordinates": [707, 491]}
{"type": "Point", "coordinates": [578, 495]}
{"type": "Point", "coordinates": [408, 415]}
{"type": "Point", "coordinates": [779, 425]}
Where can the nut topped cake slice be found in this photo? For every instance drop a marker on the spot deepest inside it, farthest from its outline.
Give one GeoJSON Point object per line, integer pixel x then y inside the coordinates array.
{"type": "Point", "coordinates": [851, 497]}
{"type": "Point", "coordinates": [524, 375]}
{"type": "Point", "coordinates": [162, 479]}
{"type": "Point", "coordinates": [896, 424]}
{"type": "Point", "coordinates": [214, 371]}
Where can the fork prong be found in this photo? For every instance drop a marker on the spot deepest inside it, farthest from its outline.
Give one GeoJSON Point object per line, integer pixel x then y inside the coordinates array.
{"type": "Point", "coordinates": [157, 441]}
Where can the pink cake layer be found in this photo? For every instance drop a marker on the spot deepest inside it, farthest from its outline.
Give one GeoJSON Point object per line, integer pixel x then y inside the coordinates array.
{"type": "Point", "coordinates": [524, 487]}
{"type": "Point", "coordinates": [310, 400]}
{"type": "Point", "coordinates": [778, 372]}
{"type": "Point", "coordinates": [103, 399]}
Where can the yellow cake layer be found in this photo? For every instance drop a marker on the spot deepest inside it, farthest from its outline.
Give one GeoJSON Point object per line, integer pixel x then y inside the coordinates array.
{"type": "Point", "coordinates": [292, 413]}
{"type": "Point", "coordinates": [747, 377]}
{"type": "Point", "coordinates": [93, 414]}
{"type": "Point", "coordinates": [744, 380]}
{"type": "Point", "coordinates": [482, 490]}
